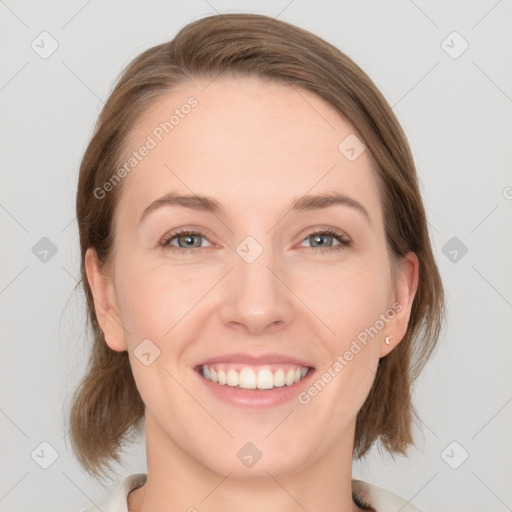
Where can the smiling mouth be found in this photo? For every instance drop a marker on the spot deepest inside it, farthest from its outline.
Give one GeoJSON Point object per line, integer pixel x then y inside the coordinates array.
{"type": "Point", "coordinates": [265, 377]}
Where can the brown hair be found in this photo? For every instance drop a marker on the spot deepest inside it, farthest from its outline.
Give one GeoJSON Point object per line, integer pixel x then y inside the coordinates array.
{"type": "Point", "coordinates": [107, 409]}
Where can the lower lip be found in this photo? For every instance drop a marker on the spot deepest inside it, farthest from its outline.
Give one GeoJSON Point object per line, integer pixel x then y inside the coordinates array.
{"type": "Point", "coordinates": [256, 399]}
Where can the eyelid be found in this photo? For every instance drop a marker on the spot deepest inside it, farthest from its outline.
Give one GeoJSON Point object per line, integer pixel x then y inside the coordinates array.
{"type": "Point", "coordinates": [325, 229]}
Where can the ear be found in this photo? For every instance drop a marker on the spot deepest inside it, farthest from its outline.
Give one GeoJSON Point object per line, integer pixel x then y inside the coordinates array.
{"type": "Point", "coordinates": [105, 304]}
{"type": "Point", "coordinates": [405, 291]}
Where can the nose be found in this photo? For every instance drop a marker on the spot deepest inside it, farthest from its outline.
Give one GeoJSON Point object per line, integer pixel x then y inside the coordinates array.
{"type": "Point", "coordinates": [257, 297]}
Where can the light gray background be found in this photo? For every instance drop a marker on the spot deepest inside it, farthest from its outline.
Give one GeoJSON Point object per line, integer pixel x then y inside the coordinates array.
{"type": "Point", "coordinates": [456, 113]}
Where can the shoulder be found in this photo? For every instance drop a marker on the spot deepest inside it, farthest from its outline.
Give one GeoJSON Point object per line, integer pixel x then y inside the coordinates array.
{"type": "Point", "coordinates": [117, 500]}
{"type": "Point", "coordinates": [381, 500]}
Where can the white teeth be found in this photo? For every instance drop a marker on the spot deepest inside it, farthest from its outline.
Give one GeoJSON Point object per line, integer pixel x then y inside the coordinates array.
{"type": "Point", "coordinates": [265, 379]}
{"type": "Point", "coordinates": [279, 378]}
{"type": "Point", "coordinates": [248, 379]}
{"type": "Point", "coordinates": [232, 377]}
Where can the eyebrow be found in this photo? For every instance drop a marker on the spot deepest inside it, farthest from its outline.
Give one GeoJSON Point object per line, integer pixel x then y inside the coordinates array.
{"type": "Point", "coordinates": [211, 205]}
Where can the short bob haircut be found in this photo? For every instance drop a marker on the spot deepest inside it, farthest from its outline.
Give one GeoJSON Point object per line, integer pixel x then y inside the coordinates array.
{"type": "Point", "coordinates": [106, 408]}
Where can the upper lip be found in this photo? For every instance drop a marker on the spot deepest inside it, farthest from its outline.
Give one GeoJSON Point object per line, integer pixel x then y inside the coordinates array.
{"type": "Point", "coordinates": [251, 360]}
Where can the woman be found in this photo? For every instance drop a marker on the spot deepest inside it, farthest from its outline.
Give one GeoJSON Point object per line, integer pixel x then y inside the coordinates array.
{"type": "Point", "coordinates": [259, 277]}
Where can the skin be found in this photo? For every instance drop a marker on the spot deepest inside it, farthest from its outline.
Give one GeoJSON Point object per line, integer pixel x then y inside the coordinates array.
{"type": "Point", "coordinates": [255, 147]}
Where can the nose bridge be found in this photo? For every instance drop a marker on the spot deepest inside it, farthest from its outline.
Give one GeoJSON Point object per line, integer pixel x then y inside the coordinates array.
{"type": "Point", "coordinates": [256, 297]}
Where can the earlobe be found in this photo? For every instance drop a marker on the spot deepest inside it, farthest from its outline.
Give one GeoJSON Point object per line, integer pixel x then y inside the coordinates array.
{"type": "Point", "coordinates": [405, 291]}
{"type": "Point", "coordinates": [105, 303]}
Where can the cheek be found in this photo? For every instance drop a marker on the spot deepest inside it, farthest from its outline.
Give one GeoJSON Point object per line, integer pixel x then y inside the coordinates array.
{"type": "Point", "coordinates": [154, 299]}
{"type": "Point", "coordinates": [157, 305]}
{"type": "Point", "coordinates": [347, 298]}
{"type": "Point", "coordinates": [346, 391]}
{"type": "Point", "coordinates": [359, 301]}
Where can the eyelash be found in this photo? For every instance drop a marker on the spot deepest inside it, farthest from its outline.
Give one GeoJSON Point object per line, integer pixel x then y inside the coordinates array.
{"type": "Point", "coordinates": [340, 237]}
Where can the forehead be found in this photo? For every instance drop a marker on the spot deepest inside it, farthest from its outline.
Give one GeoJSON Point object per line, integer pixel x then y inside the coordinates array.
{"type": "Point", "coordinates": [246, 142]}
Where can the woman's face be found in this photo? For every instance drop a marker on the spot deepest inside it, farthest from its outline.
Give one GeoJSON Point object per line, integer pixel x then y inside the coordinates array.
{"type": "Point", "coordinates": [252, 292]}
